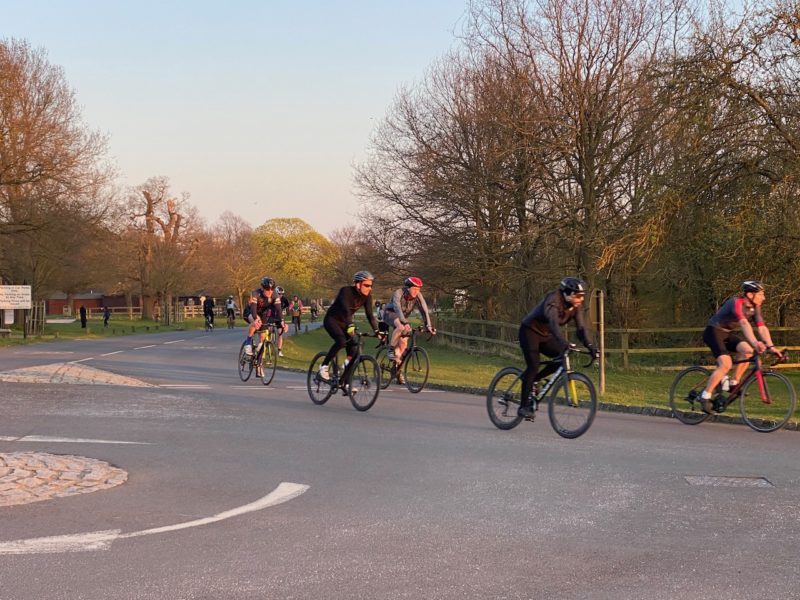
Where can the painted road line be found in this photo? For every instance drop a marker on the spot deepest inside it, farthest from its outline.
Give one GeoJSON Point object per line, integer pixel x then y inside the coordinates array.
{"type": "Point", "coordinates": [296, 387]}
{"type": "Point", "coordinates": [115, 352]}
{"type": "Point", "coordinates": [82, 360]}
{"type": "Point", "coordinates": [5, 438]}
{"type": "Point", "coordinates": [187, 386]}
{"type": "Point", "coordinates": [102, 540]}
{"type": "Point", "coordinates": [63, 440]}
{"type": "Point", "coordinates": [173, 342]}
{"type": "Point", "coordinates": [143, 347]}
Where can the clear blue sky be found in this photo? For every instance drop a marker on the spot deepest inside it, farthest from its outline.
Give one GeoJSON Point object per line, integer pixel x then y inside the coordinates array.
{"type": "Point", "coordinates": [260, 108]}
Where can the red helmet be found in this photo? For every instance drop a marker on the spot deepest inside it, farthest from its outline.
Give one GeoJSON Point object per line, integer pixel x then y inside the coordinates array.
{"type": "Point", "coordinates": [413, 282]}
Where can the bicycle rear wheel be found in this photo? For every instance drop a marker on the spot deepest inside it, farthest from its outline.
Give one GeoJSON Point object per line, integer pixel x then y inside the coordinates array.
{"type": "Point", "coordinates": [684, 395]}
{"type": "Point", "coordinates": [416, 368]}
{"type": "Point", "coordinates": [572, 405]}
{"type": "Point", "coordinates": [364, 383]}
{"type": "Point", "coordinates": [319, 390]}
{"type": "Point", "coordinates": [269, 362]}
{"type": "Point", "coordinates": [503, 398]}
{"type": "Point", "coordinates": [245, 363]}
{"type": "Point", "coordinates": [774, 412]}
{"type": "Point", "coordinates": [387, 367]}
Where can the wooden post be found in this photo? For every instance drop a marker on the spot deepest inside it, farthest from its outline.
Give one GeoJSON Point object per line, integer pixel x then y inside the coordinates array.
{"type": "Point", "coordinates": [625, 349]}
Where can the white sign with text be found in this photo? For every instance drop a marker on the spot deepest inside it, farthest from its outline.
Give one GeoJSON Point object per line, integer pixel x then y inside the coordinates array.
{"type": "Point", "coordinates": [15, 297]}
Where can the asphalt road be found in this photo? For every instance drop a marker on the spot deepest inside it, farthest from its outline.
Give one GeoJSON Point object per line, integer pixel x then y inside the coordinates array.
{"type": "Point", "coordinates": [421, 497]}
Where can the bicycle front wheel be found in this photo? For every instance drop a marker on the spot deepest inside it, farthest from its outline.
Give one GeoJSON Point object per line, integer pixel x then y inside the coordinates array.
{"type": "Point", "coordinates": [503, 398]}
{"type": "Point", "coordinates": [771, 412]}
{"type": "Point", "coordinates": [684, 395]}
{"type": "Point", "coordinates": [387, 367]}
{"type": "Point", "coordinates": [269, 362]}
{"type": "Point", "coordinates": [245, 364]}
{"type": "Point", "coordinates": [364, 383]}
{"type": "Point", "coordinates": [319, 390]}
{"type": "Point", "coordinates": [416, 368]}
{"type": "Point", "coordinates": [572, 405]}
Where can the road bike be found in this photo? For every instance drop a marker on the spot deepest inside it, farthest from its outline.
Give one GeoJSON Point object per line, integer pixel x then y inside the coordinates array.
{"type": "Point", "coordinates": [362, 386]}
{"type": "Point", "coordinates": [571, 397]}
{"type": "Point", "coordinates": [766, 398]}
{"type": "Point", "coordinates": [231, 320]}
{"type": "Point", "coordinates": [414, 364]}
{"type": "Point", "coordinates": [209, 322]}
{"type": "Point", "coordinates": [264, 358]}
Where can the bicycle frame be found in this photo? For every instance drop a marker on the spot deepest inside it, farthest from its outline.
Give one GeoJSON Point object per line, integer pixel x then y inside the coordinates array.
{"type": "Point", "coordinates": [757, 371]}
{"type": "Point", "coordinates": [564, 368]}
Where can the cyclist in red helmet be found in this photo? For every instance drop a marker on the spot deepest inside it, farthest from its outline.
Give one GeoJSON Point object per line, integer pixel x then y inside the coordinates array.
{"type": "Point", "coordinates": [743, 311]}
{"type": "Point", "coordinates": [403, 302]}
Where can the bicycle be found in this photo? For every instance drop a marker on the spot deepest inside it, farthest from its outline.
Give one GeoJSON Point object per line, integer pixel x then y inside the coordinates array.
{"type": "Point", "coordinates": [264, 360]}
{"type": "Point", "coordinates": [414, 364]}
{"type": "Point", "coordinates": [765, 407]}
{"type": "Point", "coordinates": [209, 322]}
{"type": "Point", "coordinates": [571, 403]}
{"type": "Point", "coordinates": [231, 320]}
{"type": "Point", "coordinates": [362, 386]}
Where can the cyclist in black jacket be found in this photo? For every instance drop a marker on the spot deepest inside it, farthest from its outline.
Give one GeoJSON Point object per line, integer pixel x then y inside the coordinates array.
{"type": "Point", "coordinates": [540, 331]}
{"type": "Point", "coordinates": [338, 320]}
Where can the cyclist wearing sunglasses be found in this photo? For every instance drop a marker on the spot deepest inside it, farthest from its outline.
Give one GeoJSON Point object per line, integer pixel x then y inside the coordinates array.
{"type": "Point", "coordinates": [540, 331]}
{"type": "Point", "coordinates": [338, 320]}
{"type": "Point", "coordinates": [396, 313]}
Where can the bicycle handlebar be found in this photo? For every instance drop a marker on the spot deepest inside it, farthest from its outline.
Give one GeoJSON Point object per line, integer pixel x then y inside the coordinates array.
{"type": "Point", "coordinates": [592, 355]}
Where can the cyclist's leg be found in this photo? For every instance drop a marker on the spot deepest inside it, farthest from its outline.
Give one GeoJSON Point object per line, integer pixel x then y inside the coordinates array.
{"type": "Point", "coordinates": [352, 354]}
{"type": "Point", "coordinates": [397, 339]}
{"type": "Point", "coordinates": [551, 349]}
{"type": "Point", "coordinates": [336, 331]}
{"type": "Point", "coordinates": [529, 343]}
{"type": "Point", "coordinates": [745, 351]}
{"type": "Point", "coordinates": [717, 341]}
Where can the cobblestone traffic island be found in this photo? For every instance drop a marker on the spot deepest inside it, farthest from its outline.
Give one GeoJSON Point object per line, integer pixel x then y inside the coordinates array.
{"type": "Point", "coordinates": [33, 476]}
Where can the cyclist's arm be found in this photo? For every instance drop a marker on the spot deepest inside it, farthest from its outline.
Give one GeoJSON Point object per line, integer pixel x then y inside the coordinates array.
{"type": "Point", "coordinates": [551, 313]}
{"type": "Point", "coordinates": [370, 315]}
{"type": "Point", "coordinates": [580, 326]}
{"type": "Point", "coordinates": [747, 331]}
{"type": "Point", "coordinates": [423, 311]}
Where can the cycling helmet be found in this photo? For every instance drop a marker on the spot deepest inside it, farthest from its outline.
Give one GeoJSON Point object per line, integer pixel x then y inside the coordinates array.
{"type": "Point", "coordinates": [413, 282]}
{"type": "Point", "coordinates": [279, 290]}
{"type": "Point", "coordinates": [362, 276]}
{"type": "Point", "coordinates": [267, 282]}
{"type": "Point", "coordinates": [572, 285]}
{"type": "Point", "coordinates": [752, 286]}
{"type": "Point", "coordinates": [230, 297]}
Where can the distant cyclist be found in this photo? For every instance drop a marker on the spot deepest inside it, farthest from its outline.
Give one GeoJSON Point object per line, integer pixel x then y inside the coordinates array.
{"type": "Point", "coordinates": [338, 321]}
{"type": "Point", "coordinates": [230, 307]}
{"type": "Point", "coordinates": [396, 313]}
{"type": "Point", "coordinates": [265, 309]}
{"type": "Point", "coordinates": [540, 331]}
{"type": "Point", "coordinates": [744, 312]}
{"type": "Point", "coordinates": [208, 310]}
{"type": "Point", "coordinates": [282, 326]}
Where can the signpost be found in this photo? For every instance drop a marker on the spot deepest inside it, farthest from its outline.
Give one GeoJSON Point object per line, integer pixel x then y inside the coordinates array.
{"type": "Point", "coordinates": [14, 297]}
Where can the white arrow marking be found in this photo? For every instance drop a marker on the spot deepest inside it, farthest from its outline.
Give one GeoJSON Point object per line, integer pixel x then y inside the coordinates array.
{"type": "Point", "coordinates": [102, 540]}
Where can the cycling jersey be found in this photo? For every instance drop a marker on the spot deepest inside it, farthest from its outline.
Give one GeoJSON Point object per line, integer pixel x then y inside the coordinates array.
{"type": "Point", "coordinates": [734, 310]}
{"type": "Point", "coordinates": [268, 309]}
{"type": "Point", "coordinates": [401, 306]}
{"type": "Point", "coordinates": [347, 303]}
{"type": "Point", "coordinates": [551, 314]}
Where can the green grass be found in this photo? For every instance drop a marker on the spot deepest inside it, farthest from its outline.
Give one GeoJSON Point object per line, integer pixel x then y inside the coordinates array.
{"type": "Point", "coordinates": [94, 329]}
{"type": "Point", "coordinates": [457, 368]}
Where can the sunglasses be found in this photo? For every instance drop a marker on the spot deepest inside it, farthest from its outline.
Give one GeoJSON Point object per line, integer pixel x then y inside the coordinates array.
{"type": "Point", "coordinates": [366, 285]}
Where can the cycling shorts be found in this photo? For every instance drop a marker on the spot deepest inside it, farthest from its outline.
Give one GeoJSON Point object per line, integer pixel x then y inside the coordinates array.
{"type": "Point", "coordinates": [720, 341]}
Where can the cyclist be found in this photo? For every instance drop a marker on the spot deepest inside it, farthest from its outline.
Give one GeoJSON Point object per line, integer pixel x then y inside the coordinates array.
{"type": "Point", "coordinates": [230, 307]}
{"type": "Point", "coordinates": [396, 312]}
{"type": "Point", "coordinates": [739, 310]}
{"type": "Point", "coordinates": [338, 321]}
{"type": "Point", "coordinates": [296, 306]}
{"type": "Point", "coordinates": [540, 331]}
{"type": "Point", "coordinates": [265, 309]}
{"type": "Point", "coordinates": [208, 311]}
{"type": "Point", "coordinates": [282, 326]}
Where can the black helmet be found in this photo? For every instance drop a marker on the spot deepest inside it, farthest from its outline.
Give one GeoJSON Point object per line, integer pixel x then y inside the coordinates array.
{"type": "Point", "coordinates": [572, 285]}
{"type": "Point", "coordinates": [267, 282]}
{"type": "Point", "coordinates": [279, 290]}
{"type": "Point", "coordinates": [752, 286]}
{"type": "Point", "coordinates": [362, 276]}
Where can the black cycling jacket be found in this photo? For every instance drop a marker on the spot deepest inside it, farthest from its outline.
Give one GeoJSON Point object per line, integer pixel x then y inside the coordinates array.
{"type": "Point", "coordinates": [347, 303]}
{"type": "Point", "coordinates": [551, 314]}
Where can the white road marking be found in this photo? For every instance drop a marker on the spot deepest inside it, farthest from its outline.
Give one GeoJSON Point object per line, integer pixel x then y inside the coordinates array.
{"type": "Point", "coordinates": [82, 360]}
{"type": "Point", "coordinates": [110, 353]}
{"type": "Point", "coordinates": [189, 386]}
{"type": "Point", "coordinates": [173, 342]}
{"type": "Point", "coordinates": [143, 347]}
{"type": "Point", "coordinates": [63, 440]}
{"type": "Point", "coordinates": [295, 387]}
{"type": "Point", "coordinates": [102, 540]}
{"type": "Point", "coordinates": [5, 438]}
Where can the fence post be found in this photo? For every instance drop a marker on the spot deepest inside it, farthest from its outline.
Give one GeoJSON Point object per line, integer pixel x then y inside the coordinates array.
{"type": "Point", "coordinates": [625, 349]}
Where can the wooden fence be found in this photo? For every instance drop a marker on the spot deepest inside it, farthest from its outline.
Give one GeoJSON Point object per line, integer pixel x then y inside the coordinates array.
{"type": "Point", "coordinates": [667, 347]}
